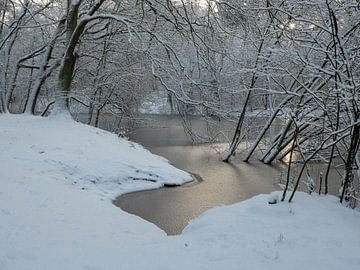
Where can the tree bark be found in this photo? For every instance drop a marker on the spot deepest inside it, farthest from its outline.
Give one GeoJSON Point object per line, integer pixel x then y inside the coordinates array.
{"type": "Point", "coordinates": [350, 163]}
{"type": "Point", "coordinates": [73, 30]}
{"type": "Point", "coordinates": [30, 104]}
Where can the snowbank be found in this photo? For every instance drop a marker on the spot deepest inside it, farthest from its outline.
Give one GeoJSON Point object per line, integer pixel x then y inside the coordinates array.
{"type": "Point", "coordinates": [314, 232]}
{"type": "Point", "coordinates": [56, 181]}
{"type": "Point", "coordinates": [82, 156]}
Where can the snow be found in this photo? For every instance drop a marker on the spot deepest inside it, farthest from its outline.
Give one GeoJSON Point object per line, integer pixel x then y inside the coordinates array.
{"type": "Point", "coordinates": [273, 198]}
{"type": "Point", "coordinates": [156, 103]}
{"type": "Point", "coordinates": [79, 155]}
{"type": "Point", "coordinates": [58, 178]}
{"type": "Point", "coordinates": [315, 232]}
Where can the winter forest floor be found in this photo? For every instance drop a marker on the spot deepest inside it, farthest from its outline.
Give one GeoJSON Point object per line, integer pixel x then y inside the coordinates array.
{"type": "Point", "coordinates": [57, 182]}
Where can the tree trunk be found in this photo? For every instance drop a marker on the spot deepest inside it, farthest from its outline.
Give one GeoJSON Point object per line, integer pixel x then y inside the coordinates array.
{"type": "Point", "coordinates": [61, 105]}
{"type": "Point", "coordinates": [266, 128]}
{"type": "Point", "coordinates": [237, 135]}
{"type": "Point", "coordinates": [350, 164]}
{"type": "Point", "coordinates": [42, 73]}
{"type": "Point", "coordinates": [289, 165]}
{"type": "Point", "coordinates": [74, 29]}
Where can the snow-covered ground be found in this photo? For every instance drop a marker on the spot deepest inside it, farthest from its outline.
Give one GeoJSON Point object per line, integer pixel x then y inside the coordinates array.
{"type": "Point", "coordinates": [57, 179]}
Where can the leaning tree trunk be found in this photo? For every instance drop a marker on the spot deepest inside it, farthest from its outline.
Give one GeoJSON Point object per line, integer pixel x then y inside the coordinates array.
{"type": "Point", "coordinates": [270, 155]}
{"type": "Point", "coordinates": [350, 163]}
{"type": "Point", "coordinates": [237, 135]}
{"type": "Point", "coordinates": [275, 150]}
{"type": "Point", "coordinates": [322, 146]}
{"type": "Point", "coordinates": [289, 165]}
{"type": "Point", "coordinates": [266, 128]}
{"type": "Point", "coordinates": [275, 113]}
{"type": "Point", "coordinates": [44, 71]}
{"type": "Point", "coordinates": [238, 131]}
{"type": "Point", "coordinates": [308, 136]}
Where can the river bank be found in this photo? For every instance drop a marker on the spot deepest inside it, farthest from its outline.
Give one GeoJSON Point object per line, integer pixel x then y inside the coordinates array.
{"type": "Point", "coordinates": [56, 211]}
{"type": "Point", "coordinates": [171, 209]}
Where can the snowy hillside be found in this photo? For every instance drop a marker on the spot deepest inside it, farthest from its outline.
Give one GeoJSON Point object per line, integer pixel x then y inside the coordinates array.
{"type": "Point", "coordinates": [57, 181]}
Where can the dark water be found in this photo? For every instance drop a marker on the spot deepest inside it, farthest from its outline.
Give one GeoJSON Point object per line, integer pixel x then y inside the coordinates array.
{"type": "Point", "coordinates": [221, 183]}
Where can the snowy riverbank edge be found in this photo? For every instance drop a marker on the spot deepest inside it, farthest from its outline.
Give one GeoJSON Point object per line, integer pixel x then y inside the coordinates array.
{"type": "Point", "coordinates": [57, 181]}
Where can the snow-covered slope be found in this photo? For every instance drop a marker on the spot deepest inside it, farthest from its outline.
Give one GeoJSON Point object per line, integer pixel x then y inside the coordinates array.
{"type": "Point", "coordinates": [314, 232]}
{"type": "Point", "coordinates": [57, 179]}
{"type": "Point", "coordinates": [88, 158]}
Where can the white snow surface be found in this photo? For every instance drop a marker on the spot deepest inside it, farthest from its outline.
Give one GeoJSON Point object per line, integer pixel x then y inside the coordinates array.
{"type": "Point", "coordinates": [156, 103]}
{"type": "Point", "coordinates": [57, 179]}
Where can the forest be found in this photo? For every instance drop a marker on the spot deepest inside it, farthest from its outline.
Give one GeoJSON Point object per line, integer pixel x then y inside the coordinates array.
{"type": "Point", "coordinates": [297, 61]}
